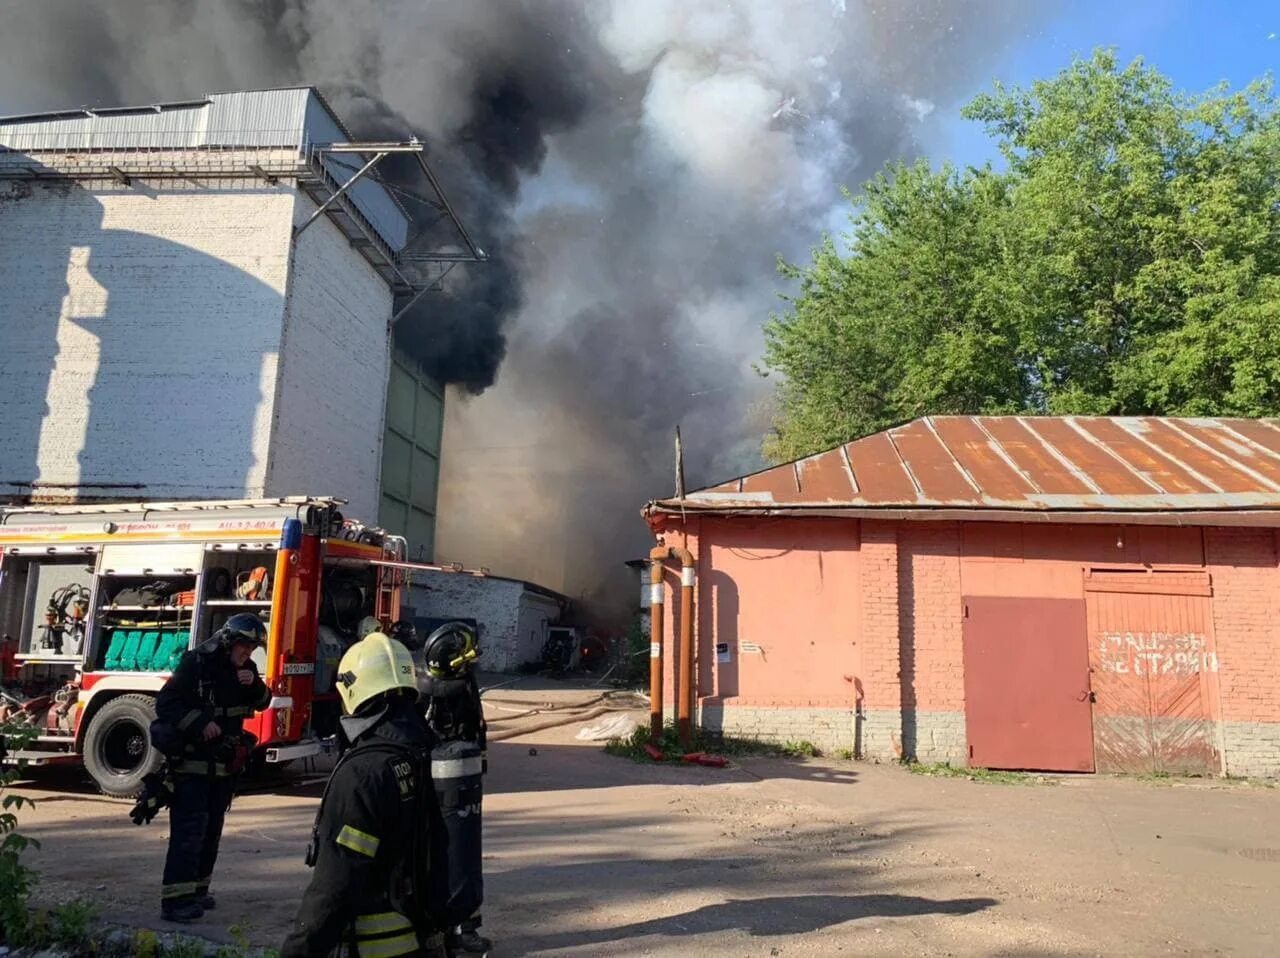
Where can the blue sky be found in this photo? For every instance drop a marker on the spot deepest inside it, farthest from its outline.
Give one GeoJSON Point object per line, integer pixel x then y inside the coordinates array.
{"type": "Point", "coordinates": [1196, 42]}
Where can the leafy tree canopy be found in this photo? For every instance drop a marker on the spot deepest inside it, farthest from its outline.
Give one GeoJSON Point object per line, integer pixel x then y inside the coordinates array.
{"type": "Point", "coordinates": [1126, 260]}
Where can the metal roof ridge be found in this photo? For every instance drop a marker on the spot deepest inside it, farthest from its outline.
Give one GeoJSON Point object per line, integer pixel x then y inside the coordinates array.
{"type": "Point", "coordinates": [998, 448]}
{"type": "Point", "coordinates": [1129, 425]}
{"type": "Point", "coordinates": [848, 467]}
{"type": "Point", "coordinates": [928, 421]}
{"type": "Point", "coordinates": [888, 434]}
{"type": "Point", "coordinates": [1056, 453]}
{"type": "Point", "coordinates": [1252, 442]}
{"type": "Point", "coordinates": [1089, 437]}
{"type": "Point", "coordinates": [1172, 423]}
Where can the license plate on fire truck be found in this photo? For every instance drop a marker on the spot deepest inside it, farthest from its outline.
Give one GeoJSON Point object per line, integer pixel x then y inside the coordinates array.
{"type": "Point", "coordinates": [298, 668]}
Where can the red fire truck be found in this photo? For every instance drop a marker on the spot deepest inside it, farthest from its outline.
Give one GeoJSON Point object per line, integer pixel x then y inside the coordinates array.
{"type": "Point", "coordinates": [98, 602]}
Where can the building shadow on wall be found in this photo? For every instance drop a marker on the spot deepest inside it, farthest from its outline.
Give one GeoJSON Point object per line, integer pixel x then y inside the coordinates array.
{"type": "Point", "coordinates": [117, 376]}
{"type": "Point", "coordinates": [718, 663]}
{"type": "Point", "coordinates": [907, 654]}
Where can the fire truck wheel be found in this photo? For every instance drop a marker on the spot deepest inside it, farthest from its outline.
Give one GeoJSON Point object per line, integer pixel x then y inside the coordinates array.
{"type": "Point", "coordinates": [117, 747]}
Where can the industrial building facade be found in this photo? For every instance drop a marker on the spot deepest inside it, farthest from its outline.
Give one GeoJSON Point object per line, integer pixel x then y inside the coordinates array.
{"type": "Point", "coordinates": [411, 455]}
{"type": "Point", "coordinates": [1066, 594]}
{"type": "Point", "coordinates": [196, 304]}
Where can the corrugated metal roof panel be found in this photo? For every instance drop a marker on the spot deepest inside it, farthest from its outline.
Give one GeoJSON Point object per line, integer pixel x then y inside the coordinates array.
{"type": "Point", "coordinates": [260, 118]}
{"type": "Point", "coordinates": [823, 478]}
{"type": "Point", "coordinates": [880, 473]}
{"type": "Point", "coordinates": [982, 458]}
{"type": "Point", "coordinates": [935, 470]}
{"type": "Point", "coordinates": [1026, 463]}
{"type": "Point", "coordinates": [1034, 459]}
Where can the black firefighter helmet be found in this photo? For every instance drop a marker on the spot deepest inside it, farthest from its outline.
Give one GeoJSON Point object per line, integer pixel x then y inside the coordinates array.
{"type": "Point", "coordinates": [242, 628]}
{"type": "Point", "coordinates": [406, 633]}
{"type": "Point", "coordinates": [450, 649]}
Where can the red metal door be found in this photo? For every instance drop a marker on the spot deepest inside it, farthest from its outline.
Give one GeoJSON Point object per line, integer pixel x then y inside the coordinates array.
{"type": "Point", "coordinates": [1153, 667]}
{"type": "Point", "coordinates": [1026, 684]}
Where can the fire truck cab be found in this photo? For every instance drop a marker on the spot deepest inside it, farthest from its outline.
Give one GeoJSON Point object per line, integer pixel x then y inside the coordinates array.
{"type": "Point", "coordinates": [98, 603]}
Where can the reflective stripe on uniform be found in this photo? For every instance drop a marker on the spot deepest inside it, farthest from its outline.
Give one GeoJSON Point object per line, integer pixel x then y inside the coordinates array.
{"type": "Point", "coordinates": [382, 923]}
{"type": "Point", "coordinates": [406, 944]}
{"type": "Point", "coordinates": [179, 890]}
{"type": "Point", "coordinates": [456, 767]}
{"type": "Point", "coordinates": [358, 841]}
{"type": "Point", "coordinates": [185, 722]}
{"type": "Point", "coordinates": [236, 711]}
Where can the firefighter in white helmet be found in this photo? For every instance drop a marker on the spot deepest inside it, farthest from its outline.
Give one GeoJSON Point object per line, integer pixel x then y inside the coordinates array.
{"type": "Point", "coordinates": [370, 843]}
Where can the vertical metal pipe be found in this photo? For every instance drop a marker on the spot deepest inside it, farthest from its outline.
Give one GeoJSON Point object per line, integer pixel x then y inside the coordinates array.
{"type": "Point", "coordinates": [657, 557]}
{"type": "Point", "coordinates": [684, 703]}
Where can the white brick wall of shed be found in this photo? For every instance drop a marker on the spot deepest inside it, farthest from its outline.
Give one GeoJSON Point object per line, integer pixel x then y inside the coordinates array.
{"type": "Point", "coordinates": [141, 327]}
{"type": "Point", "coordinates": [537, 613]}
{"type": "Point", "coordinates": [332, 387]}
{"type": "Point", "coordinates": [512, 622]}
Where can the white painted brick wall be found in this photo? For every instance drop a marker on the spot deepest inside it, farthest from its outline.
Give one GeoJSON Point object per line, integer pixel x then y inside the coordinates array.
{"type": "Point", "coordinates": [140, 334]}
{"type": "Point", "coordinates": [327, 438]}
{"type": "Point", "coordinates": [877, 735]}
{"type": "Point", "coordinates": [513, 622]}
{"type": "Point", "coordinates": [1252, 748]}
{"type": "Point", "coordinates": [493, 603]}
{"type": "Point", "coordinates": [537, 614]}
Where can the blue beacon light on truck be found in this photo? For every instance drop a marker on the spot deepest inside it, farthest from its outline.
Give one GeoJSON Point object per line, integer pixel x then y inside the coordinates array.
{"type": "Point", "coordinates": [291, 536]}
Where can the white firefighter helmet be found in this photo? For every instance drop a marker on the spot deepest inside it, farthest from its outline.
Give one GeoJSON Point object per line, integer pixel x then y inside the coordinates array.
{"type": "Point", "coordinates": [368, 626]}
{"type": "Point", "coordinates": [372, 666]}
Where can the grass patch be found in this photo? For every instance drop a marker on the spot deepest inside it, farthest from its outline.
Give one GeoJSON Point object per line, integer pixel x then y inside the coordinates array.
{"type": "Point", "coordinates": [1252, 782]}
{"type": "Point", "coordinates": [944, 770]}
{"type": "Point", "coordinates": [1175, 778]}
{"type": "Point", "coordinates": [183, 946]}
{"type": "Point", "coordinates": [1160, 778]}
{"type": "Point", "coordinates": [73, 924]}
{"type": "Point", "coordinates": [146, 943]}
{"type": "Point", "coordinates": [632, 747]}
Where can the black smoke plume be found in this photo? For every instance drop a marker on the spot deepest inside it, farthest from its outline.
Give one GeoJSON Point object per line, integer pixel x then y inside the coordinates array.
{"type": "Point", "coordinates": [633, 168]}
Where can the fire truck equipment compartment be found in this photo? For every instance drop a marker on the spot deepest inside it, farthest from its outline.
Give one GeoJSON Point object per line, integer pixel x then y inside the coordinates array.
{"type": "Point", "coordinates": [136, 650]}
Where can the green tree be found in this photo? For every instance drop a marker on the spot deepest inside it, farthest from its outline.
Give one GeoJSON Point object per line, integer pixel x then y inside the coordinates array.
{"type": "Point", "coordinates": [1125, 261]}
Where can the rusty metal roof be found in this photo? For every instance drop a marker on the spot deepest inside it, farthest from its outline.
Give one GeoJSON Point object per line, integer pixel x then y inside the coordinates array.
{"type": "Point", "coordinates": [1025, 464]}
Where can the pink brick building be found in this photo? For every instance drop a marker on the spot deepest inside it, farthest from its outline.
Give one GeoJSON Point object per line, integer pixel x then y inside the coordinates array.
{"type": "Point", "coordinates": [1045, 593]}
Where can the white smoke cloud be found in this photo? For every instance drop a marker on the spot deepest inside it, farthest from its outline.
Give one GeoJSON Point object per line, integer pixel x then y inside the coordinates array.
{"type": "Point", "coordinates": [635, 168]}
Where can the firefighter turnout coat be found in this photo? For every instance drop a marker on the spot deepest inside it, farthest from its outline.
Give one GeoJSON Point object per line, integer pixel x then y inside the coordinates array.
{"type": "Point", "coordinates": [203, 689]}
{"type": "Point", "coordinates": [371, 846]}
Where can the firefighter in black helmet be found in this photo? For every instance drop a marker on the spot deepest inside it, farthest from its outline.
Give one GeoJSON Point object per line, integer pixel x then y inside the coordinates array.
{"type": "Point", "coordinates": [406, 633]}
{"type": "Point", "coordinates": [452, 708]}
{"type": "Point", "coordinates": [371, 843]}
{"type": "Point", "coordinates": [200, 714]}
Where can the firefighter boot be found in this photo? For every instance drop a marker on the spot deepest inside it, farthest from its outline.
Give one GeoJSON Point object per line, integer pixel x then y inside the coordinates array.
{"type": "Point", "coordinates": [467, 938]}
{"type": "Point", "coordinates": [181, 910]}
{"type": "Point", "coordinates": [205, 900]}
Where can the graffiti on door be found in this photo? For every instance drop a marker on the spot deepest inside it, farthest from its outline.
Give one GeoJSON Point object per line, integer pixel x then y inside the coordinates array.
{"type": "Point", "coordinates": [1154, 670]}
{"type": "Point", "coordinates": [1179, 654]}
